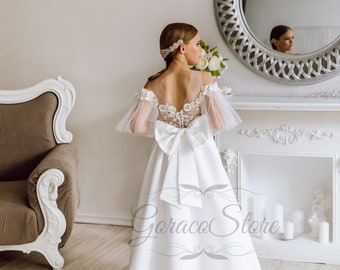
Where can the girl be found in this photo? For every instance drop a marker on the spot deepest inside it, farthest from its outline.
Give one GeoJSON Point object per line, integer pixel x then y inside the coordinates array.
{"type": "Point", "coordinates": [282, 39]}
{"type": "Point", "coordinates": [187, 215]}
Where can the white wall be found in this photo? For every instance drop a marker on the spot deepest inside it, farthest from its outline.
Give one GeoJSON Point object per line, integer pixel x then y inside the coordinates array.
{"type": "Point", "coordinates": [107, 49]}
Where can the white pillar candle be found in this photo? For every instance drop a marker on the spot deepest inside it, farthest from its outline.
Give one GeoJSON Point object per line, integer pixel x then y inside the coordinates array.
{"type": "Point", "coordinates": [324, 232]}
{"type": "Point", "coordinates": [259, 207]}
{"type": "Point", "coordinates": [289, 230]}
{"type": "Point", "coordinates": [278, 217]}
{"type": "Point", "coordinates": [298, 218]}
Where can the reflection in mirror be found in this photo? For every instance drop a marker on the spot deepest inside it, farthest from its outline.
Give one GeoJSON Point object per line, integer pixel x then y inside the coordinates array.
{"type": "Point", "coordinates": [282, 39]}
{"type": "Point", "coordinates": [315, 24]}
{"type": "Point", "coordinates": [256, 53]}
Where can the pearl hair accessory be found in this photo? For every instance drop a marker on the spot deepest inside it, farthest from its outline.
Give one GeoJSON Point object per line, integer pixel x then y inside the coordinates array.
{"type": "Point", "coordinates": [165, 52]}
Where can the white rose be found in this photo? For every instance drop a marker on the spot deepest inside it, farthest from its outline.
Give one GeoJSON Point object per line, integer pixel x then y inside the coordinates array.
{"type": "Point", "coordinates": [214, 63]}
{"type": "Point", "coordinates": [226, 90]}
{"type": "Point", "coordinates": [203, 64]}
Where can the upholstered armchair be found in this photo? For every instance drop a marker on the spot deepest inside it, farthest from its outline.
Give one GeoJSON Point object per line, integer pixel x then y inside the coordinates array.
{"type": "Point", "coordinates": [38, 169]}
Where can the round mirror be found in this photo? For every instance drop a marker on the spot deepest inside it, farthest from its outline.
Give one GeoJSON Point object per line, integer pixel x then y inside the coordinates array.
{"type": "Point", "coordinates": [246, 25]}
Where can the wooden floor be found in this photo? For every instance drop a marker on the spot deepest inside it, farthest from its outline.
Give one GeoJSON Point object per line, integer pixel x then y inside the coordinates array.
{"type": "Point", "coordinates": [102, 247]}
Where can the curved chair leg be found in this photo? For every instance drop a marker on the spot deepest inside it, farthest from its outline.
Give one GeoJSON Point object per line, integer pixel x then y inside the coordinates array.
{"type": "Point", "coordinates": [54, 221]}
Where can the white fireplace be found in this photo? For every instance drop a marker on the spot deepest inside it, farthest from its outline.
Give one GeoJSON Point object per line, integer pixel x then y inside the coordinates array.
{"type": "Point", "coordinates": [286, 153]}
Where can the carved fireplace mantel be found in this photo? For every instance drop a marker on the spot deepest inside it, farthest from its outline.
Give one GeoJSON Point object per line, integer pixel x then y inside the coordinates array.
{"type": "Point", "coordinates": [284, 150]}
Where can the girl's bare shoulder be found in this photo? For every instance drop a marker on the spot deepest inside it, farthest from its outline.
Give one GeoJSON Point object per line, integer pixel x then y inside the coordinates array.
{"type": "Point", "coordinates": [207, 78]}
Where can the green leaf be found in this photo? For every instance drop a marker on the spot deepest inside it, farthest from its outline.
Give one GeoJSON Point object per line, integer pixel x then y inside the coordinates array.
{"type": "Point", "coordinates": [202, 43]}
{"type": "Point", "coordinates": [216, 54]}
{"type": "Point", "coordinates": [215, 73]}
{"type": "Point", "coordinates": [213, 49]}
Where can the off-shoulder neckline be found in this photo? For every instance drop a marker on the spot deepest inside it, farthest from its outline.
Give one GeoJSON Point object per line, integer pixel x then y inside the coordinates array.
{"type": "Point", "coordinates": [185, 104]}
{"type": "Point", "coordinates": [202, 87]}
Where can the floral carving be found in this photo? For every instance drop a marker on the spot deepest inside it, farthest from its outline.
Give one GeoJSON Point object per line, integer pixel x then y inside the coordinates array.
{"type": "Point", "coordinates": [326, 94]}
{"type": "Point", "coordinates": [229, 159]}
{"type": "Point", "coordinates": [286, 134]}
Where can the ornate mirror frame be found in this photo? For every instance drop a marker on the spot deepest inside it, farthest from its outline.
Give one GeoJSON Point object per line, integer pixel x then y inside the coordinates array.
{"type": "Point", "coordinates": [279, 67]}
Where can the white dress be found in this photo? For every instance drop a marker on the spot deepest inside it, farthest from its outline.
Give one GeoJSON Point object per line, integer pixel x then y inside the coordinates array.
{"type": "Point", "coordinates": [187, 215]}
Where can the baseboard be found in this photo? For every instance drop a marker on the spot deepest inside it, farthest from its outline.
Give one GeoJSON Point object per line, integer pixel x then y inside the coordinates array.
{"type": "Point", "coordinates": [92, 219]}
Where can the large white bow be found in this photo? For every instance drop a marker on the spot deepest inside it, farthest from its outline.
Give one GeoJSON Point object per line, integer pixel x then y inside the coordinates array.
{"type": "Point", "coordinates": [181, 182]}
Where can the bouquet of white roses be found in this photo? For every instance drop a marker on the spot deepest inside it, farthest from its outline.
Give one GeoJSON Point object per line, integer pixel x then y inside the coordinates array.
{"type": "Point", "coordinates": [211, 61]}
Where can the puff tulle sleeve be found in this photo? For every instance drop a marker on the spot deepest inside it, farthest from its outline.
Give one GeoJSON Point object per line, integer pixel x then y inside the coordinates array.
{"type": "Point", "coordinates": [141, 117]}
{"type": "Point", "coordinates": [215, 104]}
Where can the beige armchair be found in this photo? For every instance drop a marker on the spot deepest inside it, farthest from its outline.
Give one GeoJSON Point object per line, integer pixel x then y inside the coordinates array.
{"type": "Point", "coordinates": [38, 169]}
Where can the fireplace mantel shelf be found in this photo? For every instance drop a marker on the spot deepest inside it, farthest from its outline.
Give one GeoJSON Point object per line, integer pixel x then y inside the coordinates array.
{"type": "Point", "coordinates": [284, 103]}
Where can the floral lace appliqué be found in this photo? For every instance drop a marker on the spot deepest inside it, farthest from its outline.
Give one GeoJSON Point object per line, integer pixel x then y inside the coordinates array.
{"type": "Point", "coordinates": [181, 118]}
{"type": "Point", "coordinates": [146, 95]}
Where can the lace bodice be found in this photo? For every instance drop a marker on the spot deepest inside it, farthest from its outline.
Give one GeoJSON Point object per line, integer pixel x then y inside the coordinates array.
{"type": "Point", "coordinates": [210, 102]}
{"type": "Point", "coordinates": [181, 118]}
{"type": "Point", "coordinates": [169, 114]}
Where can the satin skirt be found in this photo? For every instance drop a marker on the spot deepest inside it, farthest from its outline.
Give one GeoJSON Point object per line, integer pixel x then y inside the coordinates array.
{"type": "Point", "coordinates": [187, 216]}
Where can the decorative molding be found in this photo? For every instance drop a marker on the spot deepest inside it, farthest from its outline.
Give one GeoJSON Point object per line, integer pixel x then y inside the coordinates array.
{"type": "Point", "coordinates": [229, 160]}
{"type": "Point", "coordinates": [326, 94]}
{"type": "Point", "coordinates": [65, 93]}
{"type": "Point", "coordinates": [279, 67]}
{"type": "Point", "coordinates": [286, 134]}
{"type": "Point", "coordinates": [54, 221]}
